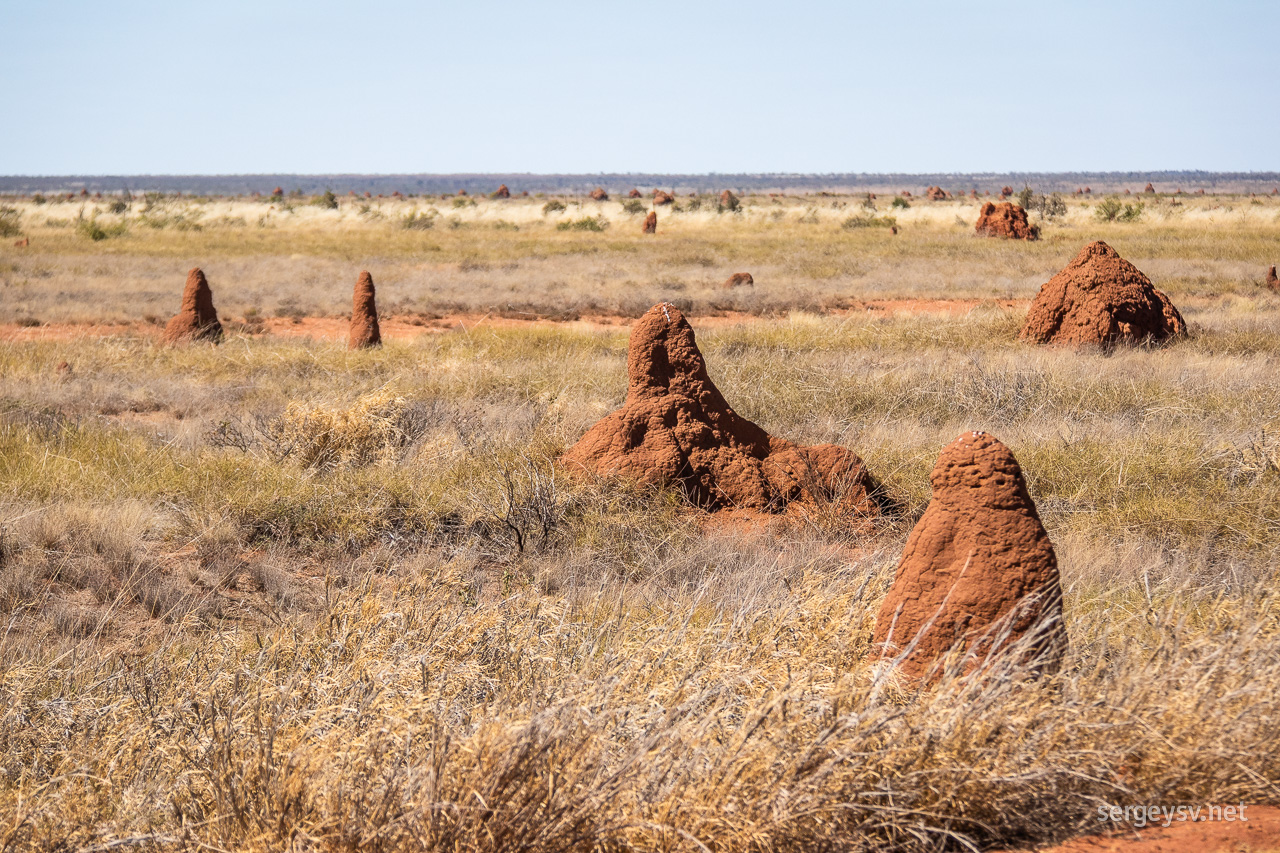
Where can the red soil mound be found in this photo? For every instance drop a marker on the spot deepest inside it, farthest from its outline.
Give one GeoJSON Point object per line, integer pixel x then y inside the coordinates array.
{"type": "Point", "coordinates": [660, 197]}
{"type": "Point", "coordinates": [676, 428]}
{"type": "Point", "coordinates": [1100, 298]}
{"type": "Point", "coordinates": [728, 200]}
{"type": "Point", "coordinates": [196, 320]}
{"type": "Point", "coordinates": [23, 243]}
{"type": "Point", "coordinates": [1149, 189]}
{"type": "Point", "coordinates": [978, 570]}
{"type": "Point", "coordinates": [1005, 192]}
{"type": "Point", "coordinates": [598, 194]}
{"type": "Point", "coordinates": [1272, 281]}
{"type": "Point", "coordinates": [1006, 219]}
{"type": "Point", "coordinates": [738, 279]}
{"type": "Point", "coordinates": [635, 193]}
{"type": "Point", "coordinates": [650, 223]}
{"type": "Point", "coordinates": [502, 192]}
{"type": "Point", "coordinates": [364, 315]}
{"type": "Point", "coordinates": [936, 194]}
{"type": "Point", "coordinates": [278, 191]}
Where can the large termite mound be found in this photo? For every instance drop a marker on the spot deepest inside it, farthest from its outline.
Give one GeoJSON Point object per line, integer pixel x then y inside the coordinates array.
{"type": "Point", "coordinates": [650, 223]}
{"type": "Point", "coordinates": [978, 573]}
{"type": "Point", "coordinates": [364, 316]}
{"type": "Point", "coordinates": [196, 320]}
{"type": "Point", "coordinates": [676, 428]}
{"type": "Point", "coordinates": [1006, 219]}
{"type": "Point", "coordinates": [1100, 298]}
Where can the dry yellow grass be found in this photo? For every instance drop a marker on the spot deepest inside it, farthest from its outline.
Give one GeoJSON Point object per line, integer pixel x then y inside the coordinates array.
{"type": "Point", "coordinates": [278, 595]}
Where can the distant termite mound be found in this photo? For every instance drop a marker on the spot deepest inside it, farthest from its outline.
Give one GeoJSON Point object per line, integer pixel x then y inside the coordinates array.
{"type": "Point", "coordinates": [1005, 192]}
{"type": "Point", "coordinates": [1272, 281]}
{"type": "Point", "coordinates": [196, 320]}
{"type": "Point", "coordinates": [739, 279]}
{"type": "Point", "coordinates": [1006, 219]}
{"type": "Point", "coordinates": [635, 193]}
{"type": "Point", "coordinates": [729, 201]}
{"type": "Point", "coordinates": [1149, 188]}
{"type": "Point", "coordinates": [937, 194]}
{"type": "Point", "coordinates": [661, 197]}
{"type": "Point", "coordinates": [598, 194]}
{"type": "Point", "coordinates": [675, 428]}
{"type": "Point", "coordinates": [650, 223]}
{"type": "Point", "coordinates": [978, 573]}
{"type": "Point", "coordinates": [1100, 298]}
{"type": "Point", "coordinates": [501, 192]}
{"type": "Point", "coordinates": [364, 315]}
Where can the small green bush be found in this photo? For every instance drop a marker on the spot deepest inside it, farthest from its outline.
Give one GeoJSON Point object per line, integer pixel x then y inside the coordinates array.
{"type": "Point", "coordinates": [419, 221]}
{"type": "Point", "coordinates": [553, 206]}
{"type": "Point", "coordinates": [463, 201]}
{"type": "Point", "coordinates": [38, 198]}
{"type": "Point", "coordinates": [118, 206]}
{"type": "Point", "coordinates": [94, 231]}
{"type": "Point", "coordinates": [10, 222]}
{"type": "Point", "coordinates": [633, 206]}
{"type": "Point", "coordinates": [869, 222]}
{"type": "Point", "coordinates": [328, 201]}
{"type": "Point", "coordinates": [900, 202]}
{"type": "Point", "coordinates": [1113, 210]}
{"type": "Point", "coordinates": [586, 223]}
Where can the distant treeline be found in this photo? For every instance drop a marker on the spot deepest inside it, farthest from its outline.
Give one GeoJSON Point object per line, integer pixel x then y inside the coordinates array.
{"type": "Point", "coordinates": [483, 184]}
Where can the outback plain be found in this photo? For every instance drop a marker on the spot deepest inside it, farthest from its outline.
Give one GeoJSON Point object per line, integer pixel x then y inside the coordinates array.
{"type": "Point", "coordinates": [278, 594]}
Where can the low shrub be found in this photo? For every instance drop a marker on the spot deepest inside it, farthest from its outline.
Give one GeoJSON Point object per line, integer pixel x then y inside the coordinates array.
{"type": "Point", "coordinates": [868, 221]}
{"type": "Point", "coordinates": [586, 223]}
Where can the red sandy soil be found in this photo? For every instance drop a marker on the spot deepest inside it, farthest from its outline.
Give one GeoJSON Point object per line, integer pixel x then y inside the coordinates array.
{"type": "Point", "coordinates": [1260, 834]}
{"type": "Point", "coordinates": [337, 328]}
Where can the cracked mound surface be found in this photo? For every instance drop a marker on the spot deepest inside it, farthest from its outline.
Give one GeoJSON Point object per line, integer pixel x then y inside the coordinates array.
{"type": "Point", "coordinates": [650, 223]}
{"type": "Point", "coordinates": [364, 315]}
{"type": "Point", "coordinates": [196, 320]}
{"type": "Point", "coordinates": [1006, 220]}
{"type": "Point", "coordinates": [1100, 298]}
{"type": "Point", "coordinates": [978, 569]}
{"type": "Point", "coordinates": [676, 428]}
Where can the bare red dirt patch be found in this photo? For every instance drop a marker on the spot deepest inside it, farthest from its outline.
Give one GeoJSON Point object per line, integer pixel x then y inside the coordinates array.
{"type": "Point", "coordinates": [1259, 834]}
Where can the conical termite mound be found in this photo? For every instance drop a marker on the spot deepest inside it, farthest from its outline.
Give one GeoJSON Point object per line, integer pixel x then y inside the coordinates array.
{"type": "Point", "coordinates": [675, 428]}
{"type": "Point", "coordinates": [978, 576]}
{"type": "Point", "coordinates": [1006, 219]}
{"type": "Point", "coordinates": [1100, 298]}
{"type": "Point", "coordinates": [196, 320]}
{"type": "Point", "coordinates": [650, 223]}
{"type": "Point", "coordinates": [364, 315]}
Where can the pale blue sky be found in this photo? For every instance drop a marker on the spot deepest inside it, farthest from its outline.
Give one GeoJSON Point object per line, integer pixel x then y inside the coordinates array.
{"type": "Point", "coordinates": [385, 86]}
